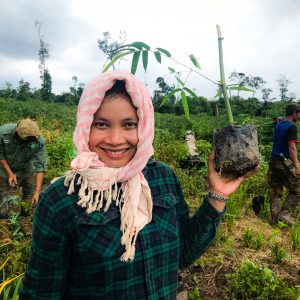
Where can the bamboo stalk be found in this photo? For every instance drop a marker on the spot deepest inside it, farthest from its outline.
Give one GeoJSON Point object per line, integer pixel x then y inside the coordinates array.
{"type": "Point", "coordinates": [222, 75]}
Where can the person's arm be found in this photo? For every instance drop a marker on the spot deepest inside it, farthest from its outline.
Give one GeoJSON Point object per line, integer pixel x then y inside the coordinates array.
{"type": "Point", "coordinates": [294, 157]}
{"type": "Point", "coordinates": [12, 178]}
{"type": "Point", "coordinates": [38, 187]}
{"type": "Point", "coordinates": [49, 260]}
{"type": "Point", "coordinates": [198, 233]}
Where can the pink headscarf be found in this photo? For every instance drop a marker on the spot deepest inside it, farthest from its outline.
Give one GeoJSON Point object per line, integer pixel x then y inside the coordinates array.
{"type": "Point", "coordinates": [135, 203]}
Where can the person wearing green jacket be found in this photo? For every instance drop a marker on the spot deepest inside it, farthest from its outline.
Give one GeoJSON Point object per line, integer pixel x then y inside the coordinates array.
{"type": "Point", "coordinates": [22, 163]}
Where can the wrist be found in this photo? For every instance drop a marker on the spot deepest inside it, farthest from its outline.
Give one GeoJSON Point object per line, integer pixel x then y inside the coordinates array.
{"type": "Point", "coordinates": [218, 196]}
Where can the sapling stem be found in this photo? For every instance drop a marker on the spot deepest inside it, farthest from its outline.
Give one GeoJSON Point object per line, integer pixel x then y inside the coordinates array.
{"type": "Point", "coordinates": [222, 75]}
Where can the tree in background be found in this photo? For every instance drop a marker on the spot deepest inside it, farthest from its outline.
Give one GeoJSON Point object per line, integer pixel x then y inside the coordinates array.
{"type": "Point", "coordinates": [266, 92]}
{"type": "Point", "coordinates": [43, 56]}
{"type": "Point", "coordinates": [8, 91]}
{"type": "Point", "coordinates": [283, 83]}
{"type": "Point", "coordinates": [23, 92]}
{"type": "Point", "coordinates": [243, 80]}
{"type": "Point", "coordinates": [159, 95]}
{"type": "Point", "coordinates": [108, 46]}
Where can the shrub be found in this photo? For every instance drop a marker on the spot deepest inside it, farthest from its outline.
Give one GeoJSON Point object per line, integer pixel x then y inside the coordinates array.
{"type": "Point", "coordinates": [250, 281]}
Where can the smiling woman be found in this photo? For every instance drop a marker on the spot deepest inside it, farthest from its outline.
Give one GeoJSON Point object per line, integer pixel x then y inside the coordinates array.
{"type": "Point", "coordinates": [113, 134]}
{"type": "Point", "coordinates": [116, 226]}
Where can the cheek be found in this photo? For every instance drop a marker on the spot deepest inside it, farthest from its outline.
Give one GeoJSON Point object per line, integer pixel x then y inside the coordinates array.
{"type": "Point", "coordinates": [94, 138]}
{"type": "Point", "coordinates": [134, 138]}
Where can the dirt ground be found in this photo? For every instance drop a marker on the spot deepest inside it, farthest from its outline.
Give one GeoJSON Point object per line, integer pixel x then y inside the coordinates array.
{"type": "Point", "coordinates": [210, 278]}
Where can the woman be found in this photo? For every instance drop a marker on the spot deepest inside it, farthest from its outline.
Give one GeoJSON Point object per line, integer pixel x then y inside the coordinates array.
{"type": "Point", "coordinates": [117, 226]}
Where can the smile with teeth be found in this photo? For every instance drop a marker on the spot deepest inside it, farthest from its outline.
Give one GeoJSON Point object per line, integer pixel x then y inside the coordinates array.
{"type": "Point", "coordinates": [116, 152]}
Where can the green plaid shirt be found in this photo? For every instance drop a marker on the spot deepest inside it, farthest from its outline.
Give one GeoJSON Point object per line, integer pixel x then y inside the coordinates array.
{"type": "Point", "coordinates": [77, 256]}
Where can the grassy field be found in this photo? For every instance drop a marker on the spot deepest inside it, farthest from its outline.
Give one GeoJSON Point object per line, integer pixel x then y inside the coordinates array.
{"type": "Point", "coordinates": [249, 259]}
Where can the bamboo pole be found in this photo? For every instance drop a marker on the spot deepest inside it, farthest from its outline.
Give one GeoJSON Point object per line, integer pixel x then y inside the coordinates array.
{"type": "Point", "coordinates": [222, 75]}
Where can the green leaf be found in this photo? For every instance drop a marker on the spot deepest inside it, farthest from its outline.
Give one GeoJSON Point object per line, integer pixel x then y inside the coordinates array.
{"type": "Point", "coordinates": [179, 80]}
{"type": "Point", "coordinates": [185, 105]}
{"type": "Point", "coordinates": [194, 61]}
{"type": "Point", "coordinates": [169, 95]}
{"type": "Point", "coordinates": [191, 92]}
{"type": "Point", "coordinates": [157, 56]}
{"type": "Point", "coordinates": [240, 88]}
{"type": "Point", "coordinates": [114, 59]}
{"type": "Point", "coordinates": [164, 51]}
{"type": "Point", "coordinates": [16, 291]}
{"type": "Point", "coordinates": [145, 59]}
{"type": "Point", "coordinates": [140, 45]}
{"type": "Point", "coordinates": [219, 93]}
{"type": "Point", "coordinates": [135, 60]}
{"type": "Point", "coordinates": [171, 69]}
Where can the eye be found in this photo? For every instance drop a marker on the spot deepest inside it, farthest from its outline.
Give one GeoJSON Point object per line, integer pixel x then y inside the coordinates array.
{"type": "Point", "coordinates": [100, 124]}
{"type": "Point", "coordinates": [130, 125]}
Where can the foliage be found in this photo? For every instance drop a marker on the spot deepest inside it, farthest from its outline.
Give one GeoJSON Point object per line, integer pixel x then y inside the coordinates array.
{"type": "Point", "coordinates": [278, 253]}
{"type": "Point", "coordinates": [141, 49]}
{"type": "Point", "coordinates": [250, 281]}
{"type": "Point", "coordinates": [248, 237]}
{"type": "Point", "coordinates": [295, 236]}
{"type": "Point", "coordinates": [60, 151]}
{"type": "Point", "coordinates": [194, 295]}
{"type": "Point", "coordinates": [107, 46]}
{"type": "Point", "coordinates": [43, 56]}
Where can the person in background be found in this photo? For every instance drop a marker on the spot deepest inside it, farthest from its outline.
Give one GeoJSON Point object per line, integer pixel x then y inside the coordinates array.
{"type": "Point", "coordinates": [22, 163]}
{"type": "Point", "coordinates": [116, 226]}
{"type": "Point", "coordinates": [279, 175]}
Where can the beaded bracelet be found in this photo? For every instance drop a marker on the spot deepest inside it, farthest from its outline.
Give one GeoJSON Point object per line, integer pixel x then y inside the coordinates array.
{"type": "Point", "coordinates": [217, 197]}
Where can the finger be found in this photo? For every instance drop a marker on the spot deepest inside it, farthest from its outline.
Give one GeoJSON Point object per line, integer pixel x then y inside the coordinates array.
{"type": "Point", "coordinates": [211, 161]}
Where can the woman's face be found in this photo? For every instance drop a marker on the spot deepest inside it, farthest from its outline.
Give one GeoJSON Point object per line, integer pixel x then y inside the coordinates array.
{"type": "Point", "coordinates": [113, 134]}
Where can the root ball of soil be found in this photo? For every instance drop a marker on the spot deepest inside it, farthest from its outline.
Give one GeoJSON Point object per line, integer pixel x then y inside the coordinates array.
{"type": "Point", "coordinates": [236, 149]}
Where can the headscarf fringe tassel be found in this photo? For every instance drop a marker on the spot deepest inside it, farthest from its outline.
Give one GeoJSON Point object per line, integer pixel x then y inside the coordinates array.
{"type": "Point", "coordinates": [95, 203]}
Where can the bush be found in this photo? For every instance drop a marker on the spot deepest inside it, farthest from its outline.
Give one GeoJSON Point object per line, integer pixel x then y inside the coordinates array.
{"type": "Point", "coordinates": [253, 282]}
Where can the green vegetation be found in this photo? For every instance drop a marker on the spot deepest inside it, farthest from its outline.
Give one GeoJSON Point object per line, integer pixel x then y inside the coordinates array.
{"type": "Point", "coordinates": [57, 122]}
{"type": "Point", "coordinates": [250, 281]}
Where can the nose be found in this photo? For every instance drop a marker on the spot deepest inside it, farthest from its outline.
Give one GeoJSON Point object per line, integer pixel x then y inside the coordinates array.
{"type": "Point", "coordinates": [114, 137]}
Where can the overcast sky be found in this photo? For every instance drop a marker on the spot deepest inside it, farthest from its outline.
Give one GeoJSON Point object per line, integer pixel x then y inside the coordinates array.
{"type": "Point", "coordinates": [261, 38]}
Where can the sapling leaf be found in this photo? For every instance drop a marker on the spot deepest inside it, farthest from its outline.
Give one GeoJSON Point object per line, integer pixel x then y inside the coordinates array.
{"type": "Point", "coordinates": [191, 92]}
{"type": "Point", "coordinates": [240, 88]}
{"type": "Point", "coordinates": [164, 51]}
{"type": "Point", "coordinates": [135, 60]}
{"type": "Point", "coordinates": [194, 61]}
{"type": "Point", "coordinates": [157, 56]}
{"type": "Point", "coordinates": [185, 105]}
{"type": "Point", "coordinates": [145, 59]}
{"type": "Point", "coordinates": [171, 69]}
{"type": "Point", "coordinates": [218, 94]}
{"type": "Point", "coordinates": [169, 95]}
{"type": "Point", "coordinates": [114, 59]}
{"type": "Point", "coordinates": [140, 45]}
{"type": "Point", "coordinates": [179, 80]}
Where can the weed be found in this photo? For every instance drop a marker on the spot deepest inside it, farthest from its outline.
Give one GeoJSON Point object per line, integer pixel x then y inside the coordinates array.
{"type": "Point", "coordinates": [248, 237]}
{"type": "Point", "coordinates": [259, 240]}
{"type": "Point", "coordinates": [228, 246]}
{"type": "Point", "coordinates": [295, 237]}
{"type": "Point", "coordinates": [278, 253]}
{"type": "Point", "coordinates": [250, 281]}
{"type": "Point", "coordinates": [194, 295]}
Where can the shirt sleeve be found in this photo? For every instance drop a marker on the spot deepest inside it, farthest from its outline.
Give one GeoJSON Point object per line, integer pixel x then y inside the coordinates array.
{"type": "Point", "coordinates": [292, 134]}
{"type": "Point", "coordinates": [45, 276]}
{"type": "Point", "coordinates": [197, 233]}
{"type": "Point", "coordinates": [2, 152]}
{"type": "Point", "coordinates": [39, 158]}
